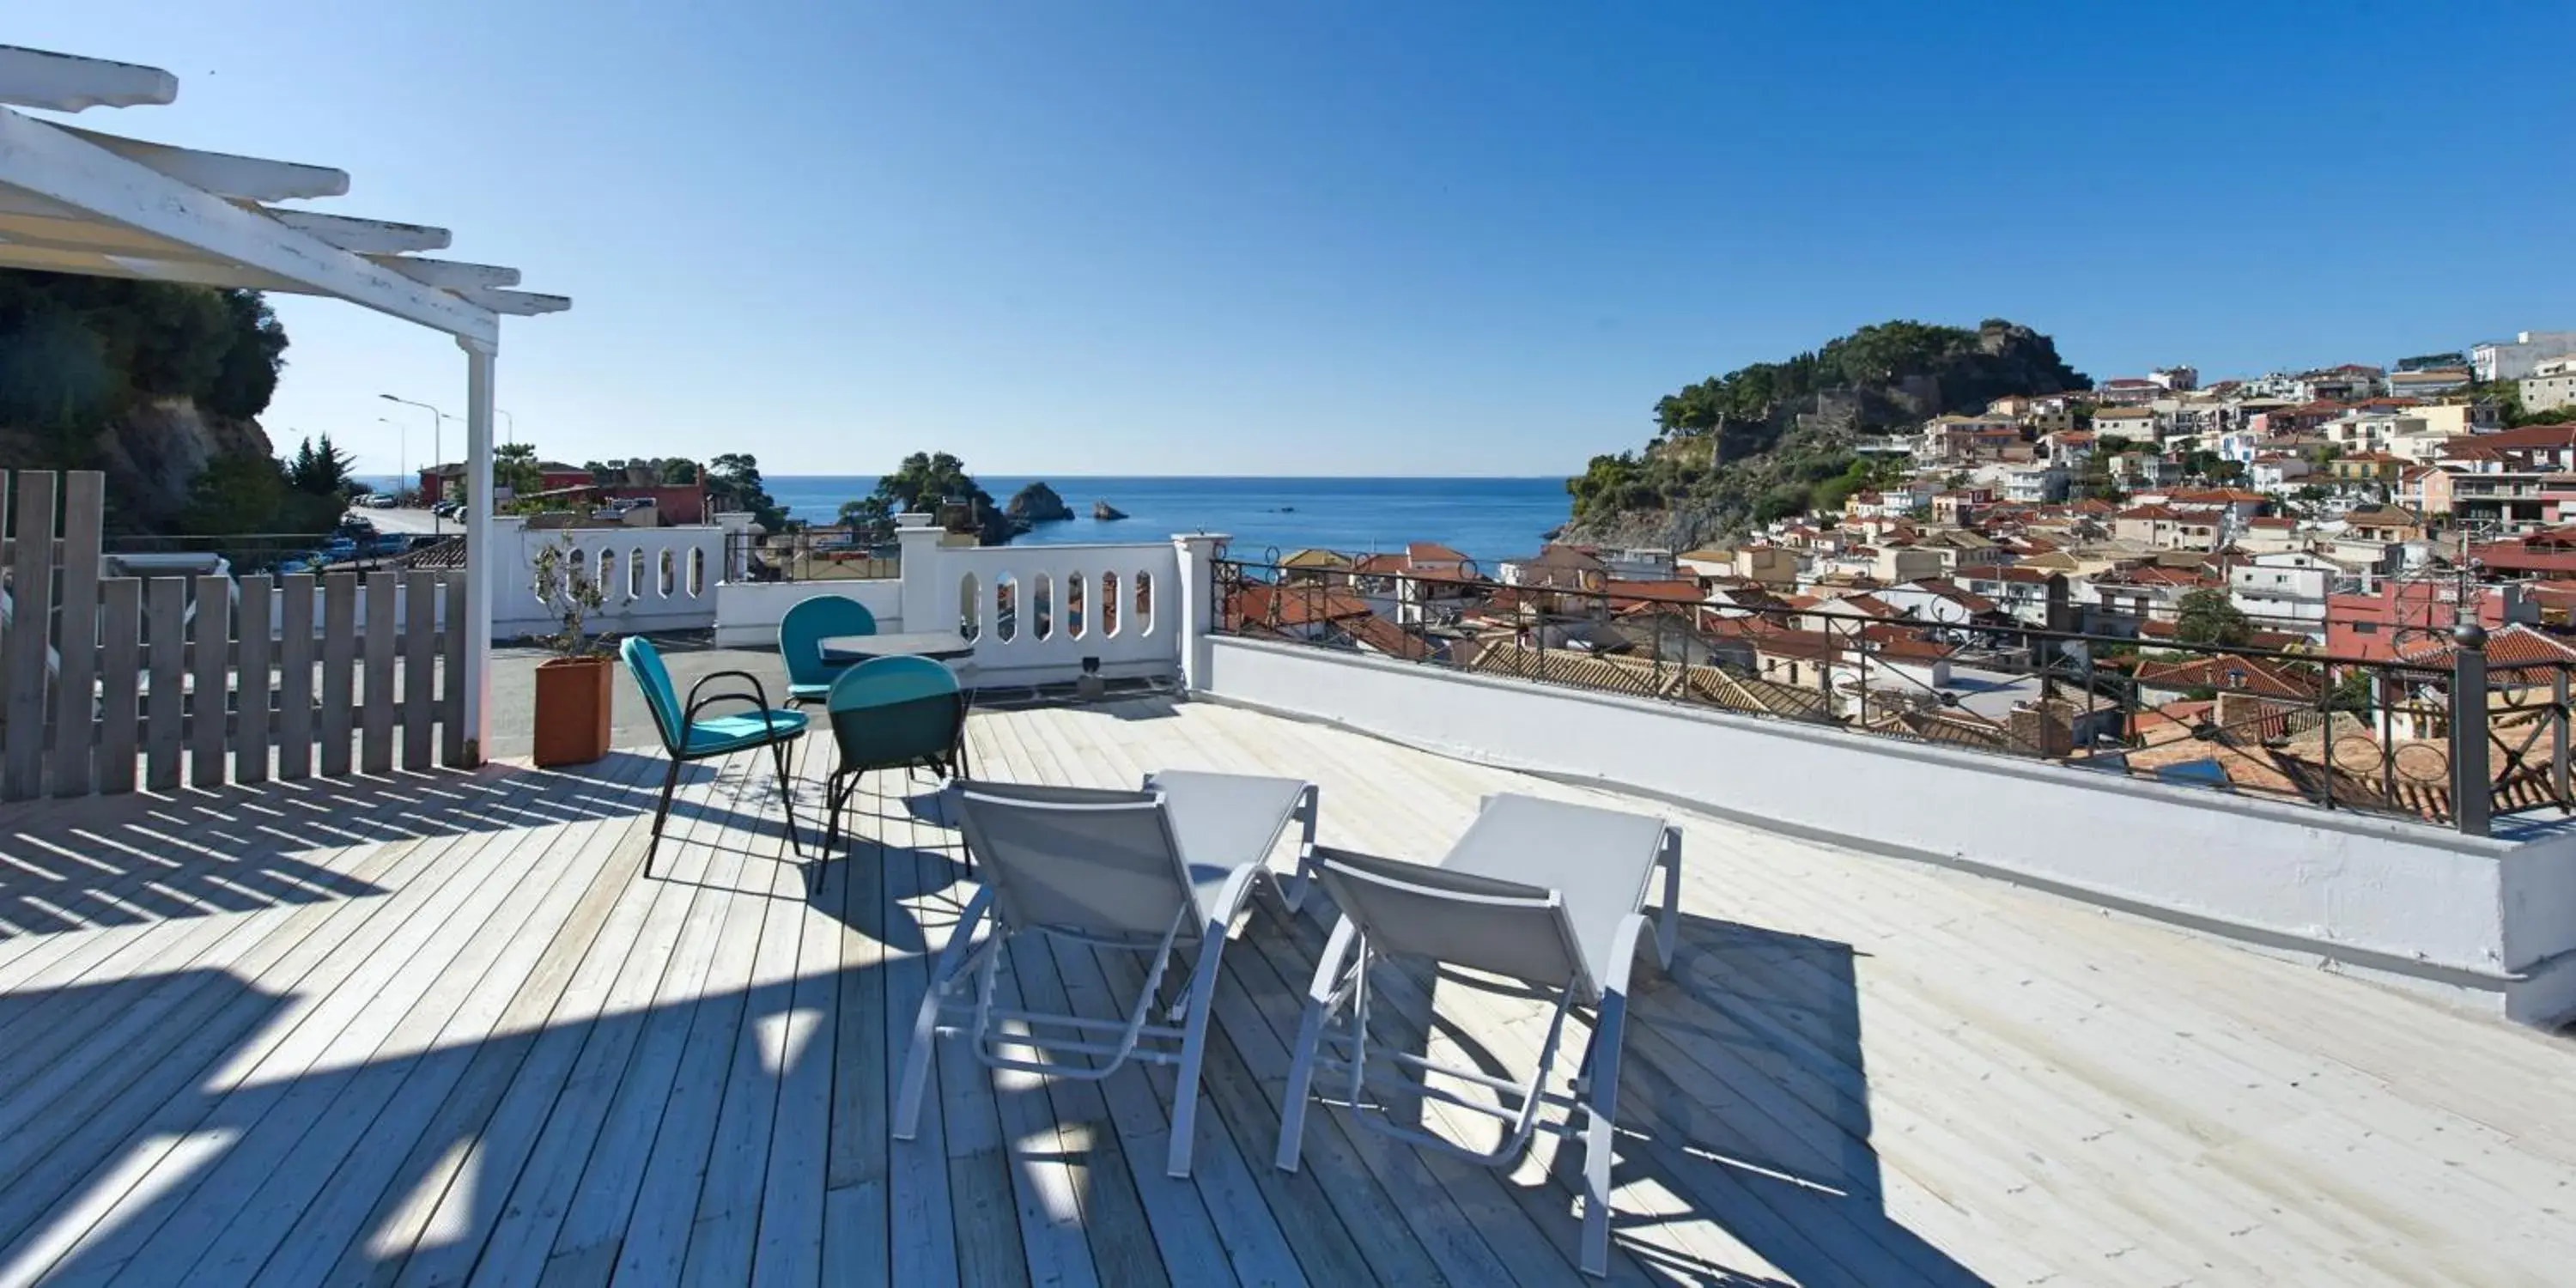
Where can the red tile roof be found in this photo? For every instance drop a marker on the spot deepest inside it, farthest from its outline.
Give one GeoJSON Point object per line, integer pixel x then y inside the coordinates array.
{"type": "Point", "coordinates": [2230, 673]}
{"type": "Point", "coordinates": [2516, 644]}
{"type": "Point", "coordinates": [1292, 605]}
{"type": "Point", "coordinates": [1432, 552]}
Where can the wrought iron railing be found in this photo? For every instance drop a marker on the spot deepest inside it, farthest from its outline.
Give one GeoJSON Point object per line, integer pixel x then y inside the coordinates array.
{"type": "Point", "coordinates": [811, 554]}
{"type": "Point", "coordinates": [2447, 737]}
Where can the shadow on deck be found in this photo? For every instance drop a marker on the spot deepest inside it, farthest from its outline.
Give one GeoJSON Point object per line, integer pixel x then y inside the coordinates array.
{"type": "Point", "coordinates": [657, 1142]}
{"type": "Point", "coordinates": [133, 859]}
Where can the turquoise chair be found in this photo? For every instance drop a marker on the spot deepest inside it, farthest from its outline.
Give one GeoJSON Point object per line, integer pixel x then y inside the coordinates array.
{"type": "Point", "coordinates": [801, 633]}
{"type": "Point", "coordinates": [687, 737]}
{"type": "Point", "coordinates": [892, 713]}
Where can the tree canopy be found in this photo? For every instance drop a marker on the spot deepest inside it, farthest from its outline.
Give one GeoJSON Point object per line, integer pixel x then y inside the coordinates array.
{"type": "Point", "coordinates": [922, 483]}
{"type": "Point", "coordinates": [2207, 615]}
{"type": "Point", "coordinates": [75, 351]}
{"type": "Point", "coordinates": [733, 480]}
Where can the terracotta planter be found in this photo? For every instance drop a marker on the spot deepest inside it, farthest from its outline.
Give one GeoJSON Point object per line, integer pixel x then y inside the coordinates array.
{"type": "Point", "coordinates": [573, 701]}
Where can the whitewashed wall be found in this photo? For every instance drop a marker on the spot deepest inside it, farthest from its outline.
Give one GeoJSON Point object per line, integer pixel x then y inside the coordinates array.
{"type": "Point", "coordinates": [747, 612]}
{"type": "Point", "coordinates": [656, 579]}
{"type": "Point", "coordinates": [966, 589]}
{"type": "Point", "coordinates": [2485, 921]}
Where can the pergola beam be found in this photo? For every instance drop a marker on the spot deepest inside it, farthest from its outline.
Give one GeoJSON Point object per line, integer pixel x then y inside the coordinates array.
{"type": "Point", "coordinates": [58, 165]}
{"type": "Point", "coordinates": [517, 303]}
{"type": "Point", "coordinates": [363, 236]}
{"type": "Point", "coordinates": [221, 173]}
{"type": "Point", "coordinates": [63, 83]}
{"type": "Point", "coordinates": [448, 274]}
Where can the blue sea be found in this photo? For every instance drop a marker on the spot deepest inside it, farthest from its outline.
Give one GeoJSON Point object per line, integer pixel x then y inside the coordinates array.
{"type": "Point", "coordinates": [1486, 519]}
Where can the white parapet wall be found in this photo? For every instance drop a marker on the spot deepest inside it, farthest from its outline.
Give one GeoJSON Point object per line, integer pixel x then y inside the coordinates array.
{"type": "Point", "coordinates": [654, 579]}
{"type": "Point", "coordinates": [747, 612]}
{"type": "Point", "coordinates": [1038, 613]}
{"type": "Point", "coordinates": [2491, 921]}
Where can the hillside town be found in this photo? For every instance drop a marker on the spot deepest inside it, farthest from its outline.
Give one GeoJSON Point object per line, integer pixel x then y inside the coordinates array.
{"type": "Point", "coordinates": [2250, 542]}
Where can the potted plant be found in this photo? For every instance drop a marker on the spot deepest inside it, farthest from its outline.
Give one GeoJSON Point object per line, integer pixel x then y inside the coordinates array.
{"type": "Point", "coordinates": [573, 686]}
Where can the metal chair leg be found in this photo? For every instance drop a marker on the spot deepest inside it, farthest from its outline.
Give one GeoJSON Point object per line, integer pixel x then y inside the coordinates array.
{"type": "Point", "coordinates": [787, 796]}
{"type": "Point", "coordinates": [832, 813]}
{"type": "Point", "coordinates": [660, 814]}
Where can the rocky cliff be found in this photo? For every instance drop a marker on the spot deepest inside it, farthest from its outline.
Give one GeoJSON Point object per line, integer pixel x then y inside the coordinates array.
{"type": "Point", "coordinates": [1038, 503]}
{"type": "Point", "coordinates": [152, 453]}
{"type": "Point", "coordinates": [1772, 438]}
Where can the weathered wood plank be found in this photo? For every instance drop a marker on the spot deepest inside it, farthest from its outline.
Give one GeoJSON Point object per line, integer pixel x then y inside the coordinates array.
{"type": "Point", "coordinates": [376, 690]}
{"type": "Point", "coordinates": [295, 676]}
{"type": "Point", "coordinates": [84, 513]}
{"type": "Point", "coordinates": [31, 576]}
{"type": "Point", "coordinates": [166, 625]}
{"type": "Point", "coordinates": [339, 654]}
{"type": "Point", "coordinates": [210, 678]}
{"type": "Point", "coordinates": [664, 1212]}
{"type": "Point", "coordinates": [250, 682]}
{"type": "Point", "coordinates": [571, 1206]}
{"type": "Point", "coordinates": [525, 957]}
{"type": "Point", "coordinates": [419, 667]}
{"type": "Point", "coordinates": [120, 681]}
{"type": "Point", "coordinates": [453, 751]}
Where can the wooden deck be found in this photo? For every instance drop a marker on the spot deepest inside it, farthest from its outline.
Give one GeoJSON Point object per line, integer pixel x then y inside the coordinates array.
{"type": "Point", "coordinates": [438, 1029]}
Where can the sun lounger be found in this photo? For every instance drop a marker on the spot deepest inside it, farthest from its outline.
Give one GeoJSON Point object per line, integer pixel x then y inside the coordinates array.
{"type": "Point", "coordinates": [1153, 870]}
{"type": "Point", "coordinates": [1548, 894]}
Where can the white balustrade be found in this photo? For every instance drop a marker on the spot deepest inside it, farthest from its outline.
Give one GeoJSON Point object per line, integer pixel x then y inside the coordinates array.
{"type": "Point", "coordinates": [1039, 614]}
{"type": "Point", "coordinates": [652, 579]}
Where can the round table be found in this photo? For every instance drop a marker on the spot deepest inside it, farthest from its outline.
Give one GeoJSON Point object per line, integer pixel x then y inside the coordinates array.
{"type": "Point", "coordinates": [938, 646]}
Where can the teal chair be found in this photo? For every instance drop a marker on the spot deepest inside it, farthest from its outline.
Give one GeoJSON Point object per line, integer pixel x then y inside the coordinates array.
{"type": "Point", "coordinates": [687, 737]}
{"type": "Point", "coordinates": [892, 713]}
{"type": "Point", "coordinates": [801, 633]}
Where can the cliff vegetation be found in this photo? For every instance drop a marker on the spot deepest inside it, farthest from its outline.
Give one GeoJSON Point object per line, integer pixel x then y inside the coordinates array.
{"type": "Point", "coordinates": [1776, 438]}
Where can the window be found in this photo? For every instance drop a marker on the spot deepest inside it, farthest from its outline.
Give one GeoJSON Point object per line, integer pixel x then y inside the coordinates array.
{"type": "Point", "coordinates": [2365, 628]}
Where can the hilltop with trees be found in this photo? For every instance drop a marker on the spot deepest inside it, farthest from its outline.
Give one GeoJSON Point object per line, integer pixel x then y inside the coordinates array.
{"type": "Point", "coordinates": [157, 385]}
{"type": "Point", "coordinates": [924, 483]}
{"type": "Point", "coordinates": [1768, 439]}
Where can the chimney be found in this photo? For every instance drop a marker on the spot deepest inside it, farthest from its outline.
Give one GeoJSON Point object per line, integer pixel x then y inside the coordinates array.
{"type": "Point", "coordinates": [2043, 728]}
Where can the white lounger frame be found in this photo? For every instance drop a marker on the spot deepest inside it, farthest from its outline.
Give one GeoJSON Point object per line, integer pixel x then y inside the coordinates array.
{"type": "Point", "coordinates": [1186, 1018]}
{"type": "Point", "coordinates": [1333, 1039]}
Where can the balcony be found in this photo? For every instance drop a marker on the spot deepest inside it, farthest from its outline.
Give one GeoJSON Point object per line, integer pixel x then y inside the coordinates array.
{"type": "Point", "coordinates": [436, 1026]}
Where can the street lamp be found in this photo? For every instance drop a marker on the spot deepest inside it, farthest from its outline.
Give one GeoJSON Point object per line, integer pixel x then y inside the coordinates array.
{"type": "Point", "coordinates": [513, 432]}
{"type": "Point", "coordinates": [438, 421]}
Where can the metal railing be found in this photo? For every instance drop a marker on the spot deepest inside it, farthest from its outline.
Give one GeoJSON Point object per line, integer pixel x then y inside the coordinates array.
{"type": "Point", "coordinates": [2445, 737]}
{"type": "Point", "coordinates": [812, 554]}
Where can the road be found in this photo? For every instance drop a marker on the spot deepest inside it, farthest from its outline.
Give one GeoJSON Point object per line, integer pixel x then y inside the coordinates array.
{"type": "Point", "coordinates": [405, 520]}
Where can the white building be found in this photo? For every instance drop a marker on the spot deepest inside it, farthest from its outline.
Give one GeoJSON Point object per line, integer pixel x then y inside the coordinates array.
{"type": "Point", "coordinates": [2551, 385]}
{"type": "Point", "coordinates": [2287, 590]}
{"type": "Point", "coordinates": [2278, 472]}
{"type": "Point", "coordinates": [2040, 484]}
{"type": "Point", "coordinates": [2520, 356]}
{"type": "Point", "coordinates": [2137, 424]}
{"type": "Point", "coordinates": [2178, 379]}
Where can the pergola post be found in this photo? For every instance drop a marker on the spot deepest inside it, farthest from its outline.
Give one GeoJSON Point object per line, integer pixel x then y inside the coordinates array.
{"type": "Point", "coordinates": [482, 562]}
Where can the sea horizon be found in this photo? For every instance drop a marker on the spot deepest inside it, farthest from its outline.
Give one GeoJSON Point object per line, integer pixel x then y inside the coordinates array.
{"type": "Point", "coordinates": [1488, 518]}
{"type": "Point", "coordinates": [1485, 517]}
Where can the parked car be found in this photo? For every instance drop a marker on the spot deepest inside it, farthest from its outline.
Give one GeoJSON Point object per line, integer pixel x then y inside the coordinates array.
{"type": "Point", "coordinates": [338, 548]}
{"type": "Point", "coordinates": [377, 500]}
{"type": "Point", "coordinates": [386, 544]}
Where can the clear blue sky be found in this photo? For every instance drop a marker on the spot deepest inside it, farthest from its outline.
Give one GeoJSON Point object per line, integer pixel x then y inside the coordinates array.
{"type": "Point", "coordinates": [1357, 239]}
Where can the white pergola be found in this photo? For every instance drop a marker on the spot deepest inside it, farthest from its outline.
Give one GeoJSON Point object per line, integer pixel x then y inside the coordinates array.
{"type": "Point", "coordinates": [77, 201]}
